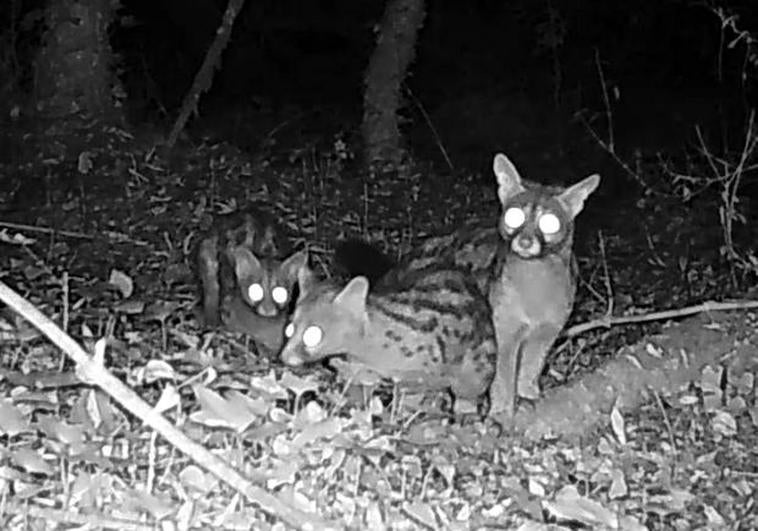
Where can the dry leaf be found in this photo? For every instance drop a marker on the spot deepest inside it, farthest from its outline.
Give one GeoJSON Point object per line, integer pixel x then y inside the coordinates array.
{"type": "Point", "coordinates": [618, 425]}
{"type": "Point", "coordinates": [122, 282]}
{"type": "Point", "coordinates": [569, 505]}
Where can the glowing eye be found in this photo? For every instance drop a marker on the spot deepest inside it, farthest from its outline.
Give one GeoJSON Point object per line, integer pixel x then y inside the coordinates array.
{"type": "Point", "coordinates": [255, 292]}
{"type": "Point", "coordinates": [514, 218]}
{"type": "Point", "coordinates": [289, 330]}
{"type": "Point", "coordinates": [549, 223]}
{"type": "Point", "coordinates": [279, 294]}
{"type": "Point", "coordinates": [312, 336]}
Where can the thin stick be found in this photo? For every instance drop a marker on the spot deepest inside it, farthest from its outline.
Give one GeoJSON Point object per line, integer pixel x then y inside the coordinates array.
{"type": "Point", "coordinates": [70, 517]}
{"type": "Point", "coordinates": [113, 236]}
{"type": "Point", "coordinates": [204, 77]}
{"type": "Point", "coordinates": [65, 316]}
{"type": "Point", "coordinates": [433, 129]}
{"type": "Point", "coordinates": [606, 102]}
{"type": "Point", "coordinates": [93, 372]}
{"type": "Point", "coordinates": [669, 428]}
{"type": "Point", "coordinates": [65, 296]}
{"type": "Point", "coordinates": [45, 230]}
{"type": "Point", "coordinates": [710, 306]}
{"type": "Point", "coordinates": [607, 276]}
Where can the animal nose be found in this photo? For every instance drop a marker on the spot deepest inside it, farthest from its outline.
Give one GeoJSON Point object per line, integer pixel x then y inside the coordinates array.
{"type": "Point", "coordinates": [267, 309]}
{"type": "Point", "coordinates": [525, 241]}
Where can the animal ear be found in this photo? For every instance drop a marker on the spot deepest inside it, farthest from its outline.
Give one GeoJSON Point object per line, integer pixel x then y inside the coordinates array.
{"type": "Point", "coordinates": [508, 178]}
{"type": "Point", "coordinates": [353, 296]}
{"type": "Point", "coordinates": [306, 279]}
{"type": "Point", "coordinates": [574, 196]}
{"type": "Point", "coordinates": [293, 264]}
{"type": "Point", "coordinates": [246, 264]}
{"type": "Point", "coordinates": [268, 243]}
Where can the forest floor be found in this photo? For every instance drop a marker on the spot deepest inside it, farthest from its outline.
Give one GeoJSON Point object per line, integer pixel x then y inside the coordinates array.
{"type": "Point", "coordinates": [118, 264]}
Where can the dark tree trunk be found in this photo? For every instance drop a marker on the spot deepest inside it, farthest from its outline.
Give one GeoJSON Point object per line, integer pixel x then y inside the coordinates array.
{"type": "Point", "coordinates": [74, 79]}
{"type": "Point", "coordinates": [388, 66]}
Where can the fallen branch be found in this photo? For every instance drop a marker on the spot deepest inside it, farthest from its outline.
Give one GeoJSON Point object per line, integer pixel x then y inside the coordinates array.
{"type": "Point", "coordinates": [609, 321]}
{"type": "Point", "coordinates": [97, 373]}
{"type": "Point", "coordinates": [204, 76]}
{"type": "Point", "coordinates": [112, 235]}
{"type": "Point", "coordinates": [70, 518]}
{"type": "Point", "coordinates": [45, 230]}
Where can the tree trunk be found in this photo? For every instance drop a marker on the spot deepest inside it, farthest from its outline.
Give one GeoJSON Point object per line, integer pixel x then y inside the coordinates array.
{"type": "Point", "coordinates": [394, 52]}
{"type": "Point", "coordinates": [74, 79]}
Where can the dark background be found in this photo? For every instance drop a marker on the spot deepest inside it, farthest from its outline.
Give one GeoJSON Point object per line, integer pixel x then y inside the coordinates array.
{"type": "Point", "coordinates": [489, 75]}
{"type": "Point", "coordinates": [485, 72]}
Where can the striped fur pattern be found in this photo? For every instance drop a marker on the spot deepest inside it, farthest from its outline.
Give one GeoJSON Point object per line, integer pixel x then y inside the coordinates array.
{"type": "Point", "coordinates": [472, 248]}
{"type": "Point", "coordinates": [524, 264]}
{"type": "Point", "coordinates": [434, 328]}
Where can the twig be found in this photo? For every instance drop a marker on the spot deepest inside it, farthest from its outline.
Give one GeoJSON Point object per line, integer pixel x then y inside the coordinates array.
{"type": "Point", "coordinates": [204, 76]}
{"type": "Point", "coordinates": [112, 235]}
{"type": "Point", "coordinates": [606, 103]}
{"type": "Point", "coordinates": [710, 306]}
{"type": "Point", "coordinates": [98, 374]}
{"type": "Point", "coordinates": [97, 521]}
{"type": "Point", "coordinates": [608, 146]}
{"type": "Point", "coordinates": [45, 230]}
{"type": "Point", "coordinates": [433, 129]}
{"type": "Point", "coordinates": [607, 276]}
{"type": "Point", "coordinates": [666, 421]}
{"type": "Point", "coordinates": [65, 298]}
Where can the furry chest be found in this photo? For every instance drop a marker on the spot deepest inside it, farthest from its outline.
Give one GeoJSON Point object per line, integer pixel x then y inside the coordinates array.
{"type": "Point", "coordinates": [535, 289]}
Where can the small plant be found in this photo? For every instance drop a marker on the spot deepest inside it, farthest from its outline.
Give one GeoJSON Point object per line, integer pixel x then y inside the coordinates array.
{"type": "Point", "coordinates": [724, 171]}
{"type": "Point", "coordinates": [727, 173]}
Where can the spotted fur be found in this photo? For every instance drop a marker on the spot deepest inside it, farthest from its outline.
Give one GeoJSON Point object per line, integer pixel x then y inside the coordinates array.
{"type": "Point", "coordinates": [433, 328]}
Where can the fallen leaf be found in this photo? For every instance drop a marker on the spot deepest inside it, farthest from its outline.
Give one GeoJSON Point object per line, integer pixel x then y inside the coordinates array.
{"type": "Point", "coordinates": [714, 518]}
{"type": "Point", "coordinates": [618, 425]}
{"type": "Point", "coordinates": [421, 512]}
{"type": "Point", "coordinates": [122, 282]}
{"type": "Point", "coordinates": [218, 412]}
{"type": "Point", "coordinates": [569, 505]}
{"type": "Point", "coordinates": [130, 307]}
{"type": "Point", "coordinates": [724, 423]}
{"type": "Point", "coordinates": [12, 421]}
{"type": "Point", "coordinates": [618, 488]}
{"type": "Point", "coordinates": [193, 478]}
{"type": "Point", "coordinates": [155, 370]}
{"type": "Point", "coordinates": [169, 399]}
{"type": "Point", "coordinates": [289, 381]}
{"type": "Point", "coordinates": [31, 461]}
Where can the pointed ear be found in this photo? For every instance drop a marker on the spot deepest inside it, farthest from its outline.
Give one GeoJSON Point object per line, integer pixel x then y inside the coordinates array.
{"type": "Point", "coordinates": [353, 296]}
{"type": "Point", "coordinates": [293, 264]}
{"type": "Point", "coordinates": [268, 243]}
{"type": "Point", "coordinates": [306, 280]}
{"type": "Point", "coordinates": [508, 178]}
{"type": "Point", "coordinates": [574, 196]}
{"type": "Point", "coordinates": [245, 263]}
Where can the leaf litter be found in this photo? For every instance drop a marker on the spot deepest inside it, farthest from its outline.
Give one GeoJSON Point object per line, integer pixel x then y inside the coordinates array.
{"type": "Point", "coordinates": [376, 459]}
